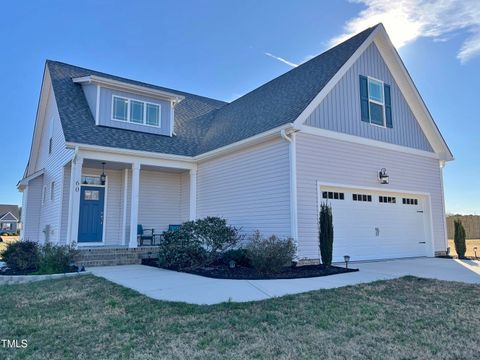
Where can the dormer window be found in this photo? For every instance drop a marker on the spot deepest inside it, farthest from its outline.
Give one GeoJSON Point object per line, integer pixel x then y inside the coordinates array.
{"type": "Point", "coordinates": [135, 111]}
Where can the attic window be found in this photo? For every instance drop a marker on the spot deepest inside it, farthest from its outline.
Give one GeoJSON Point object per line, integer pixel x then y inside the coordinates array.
{"type": "Point", "coordinates": [135, 111]}
{"type": "Point", "coordinates": [375, 102]}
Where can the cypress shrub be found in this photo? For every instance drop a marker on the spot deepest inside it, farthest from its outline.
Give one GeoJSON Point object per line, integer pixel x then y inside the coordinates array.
{"type": "Point", "coordinates": [459, 239]}
{"type": "Point", "coordinates": [325, 234]}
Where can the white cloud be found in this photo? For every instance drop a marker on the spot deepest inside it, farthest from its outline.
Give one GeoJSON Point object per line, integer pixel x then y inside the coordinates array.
{"type": "Point", "coordinates": [289, 63]}
{"type": "Point", "coordinates": [407, 20]}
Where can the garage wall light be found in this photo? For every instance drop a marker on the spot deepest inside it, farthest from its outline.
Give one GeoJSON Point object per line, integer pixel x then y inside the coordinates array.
{"type": "Point", "coordinates": [383, 176]}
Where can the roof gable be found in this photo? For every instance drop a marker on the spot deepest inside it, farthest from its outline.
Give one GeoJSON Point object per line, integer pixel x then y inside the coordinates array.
{"type": "Point", "coordinates": [8, 217]}
{"type": "Point", "coordinates": [405, 83]}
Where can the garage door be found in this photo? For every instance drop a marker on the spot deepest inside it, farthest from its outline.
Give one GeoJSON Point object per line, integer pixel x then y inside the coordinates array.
{"type": "Point", "coordinates": [376, 225]}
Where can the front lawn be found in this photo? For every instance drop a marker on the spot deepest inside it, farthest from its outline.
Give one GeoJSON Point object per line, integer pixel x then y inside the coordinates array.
{"type": "Point", "coordinates": [91, 318]}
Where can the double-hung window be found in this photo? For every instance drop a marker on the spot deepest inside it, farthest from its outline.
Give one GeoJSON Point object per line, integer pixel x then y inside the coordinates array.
{"type": "Point", "coordinates": [135, 111]}
{"type": "Point", "coordinates": [375, 102]}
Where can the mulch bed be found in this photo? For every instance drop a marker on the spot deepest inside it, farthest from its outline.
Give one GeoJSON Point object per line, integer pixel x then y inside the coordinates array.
{"type": "Point", "coordinates": [247, 273]}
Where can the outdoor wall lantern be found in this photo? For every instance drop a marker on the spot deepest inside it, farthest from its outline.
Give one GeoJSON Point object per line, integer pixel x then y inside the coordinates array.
{"type": "Point", "coordinates": [347, 259]}
{"type": "Point", "coordinates": [103, 177]}
{"type": "Point", "coordinates": [475, 251]}
{"type": "Point", "coordinates": [383, 176]}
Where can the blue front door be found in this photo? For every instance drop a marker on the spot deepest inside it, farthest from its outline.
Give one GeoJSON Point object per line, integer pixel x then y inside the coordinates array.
{"type": "Point", "coordinates": [90, 227]}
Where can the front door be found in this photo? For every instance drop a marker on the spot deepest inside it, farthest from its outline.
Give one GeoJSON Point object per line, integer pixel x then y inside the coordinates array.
{"type": "Point", "coordinates": [90, 227]}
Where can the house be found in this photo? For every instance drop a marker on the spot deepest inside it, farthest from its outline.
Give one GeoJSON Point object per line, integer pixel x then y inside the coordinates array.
{"type": "Point", "coordinates": [347, 127]}
{"type": "Point", "coordinates": [9, 218]}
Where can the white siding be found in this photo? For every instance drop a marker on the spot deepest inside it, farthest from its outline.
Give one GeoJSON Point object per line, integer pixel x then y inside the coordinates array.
{"type": "Point", "coordinates": [65, 204]}
{"type": "Point", "coordinates": [53, 165]}
{"type": "Point", "coordinates": [250, 188]}
{"type": "Point", "coordinates": [33, 199]}
{"type": "Point", "coordinates": [160, 199]}
{"type": "Point", "coordinates": [185, 196]}
{"type": "Point", "coordinates": [334, 161]}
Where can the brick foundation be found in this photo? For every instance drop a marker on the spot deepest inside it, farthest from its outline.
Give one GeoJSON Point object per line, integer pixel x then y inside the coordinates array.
{"type": "Point", "coordinates": [103, 256]}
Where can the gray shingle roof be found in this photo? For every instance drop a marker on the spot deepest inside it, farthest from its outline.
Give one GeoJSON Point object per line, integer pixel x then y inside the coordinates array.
{"type": "Point", "coordinates": [202, 124]}
{"type": "Point", "coordinates": [13, 209]}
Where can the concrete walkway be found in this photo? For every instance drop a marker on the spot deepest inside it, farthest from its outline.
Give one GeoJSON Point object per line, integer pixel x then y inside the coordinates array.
{"type": "Point", "coordinates": [175, 286]}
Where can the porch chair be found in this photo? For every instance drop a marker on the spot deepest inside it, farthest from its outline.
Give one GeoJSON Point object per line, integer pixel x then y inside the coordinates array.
{"type": "Point", "coordinates": [145, 234]}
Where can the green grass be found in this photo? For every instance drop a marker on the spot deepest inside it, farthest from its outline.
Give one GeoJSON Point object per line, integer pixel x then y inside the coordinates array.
{"type": "Point", "coordinates": [90, 318]}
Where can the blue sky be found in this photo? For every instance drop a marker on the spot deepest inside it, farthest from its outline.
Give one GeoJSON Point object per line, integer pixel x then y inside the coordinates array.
{"type": "Point", "coordinates": [223, 49]}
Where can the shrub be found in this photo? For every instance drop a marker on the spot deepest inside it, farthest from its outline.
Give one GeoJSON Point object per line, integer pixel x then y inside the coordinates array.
{"type": "Point", "coordinates": [179, 250]}
{"type": "Point", "coordinates": [56, 259]}
{"type": "Point", "coordinates": [459, 239]}
{"type": "Point", "coordinates": [22, 256]}
{"type": "Point", "coordinates": [325, 234]}
{"type": "Point", "coordinates": [197, 243]}
{"type": "Point", "coordinates": [240, 256]}
{"type": "Point", "coordinates": [270, 255]}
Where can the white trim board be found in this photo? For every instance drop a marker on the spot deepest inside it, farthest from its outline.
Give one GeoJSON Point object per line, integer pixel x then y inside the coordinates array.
{"type": "Point", "coordinates": [365, 141]}
{"type": "Point", "coordinates": [380, 37]}
{"type": "Point", "coordinates": [2, 218]}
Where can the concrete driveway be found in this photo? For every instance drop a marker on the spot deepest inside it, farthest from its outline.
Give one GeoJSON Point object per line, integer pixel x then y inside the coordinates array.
{"type": "Point", "coordinates": [175, 286]}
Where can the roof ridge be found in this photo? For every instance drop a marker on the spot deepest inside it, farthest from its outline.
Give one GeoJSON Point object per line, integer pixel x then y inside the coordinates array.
{"type": "Point", "coordinates": [50, 61]}
{"type": "Point", "coordinates": [305, 63]}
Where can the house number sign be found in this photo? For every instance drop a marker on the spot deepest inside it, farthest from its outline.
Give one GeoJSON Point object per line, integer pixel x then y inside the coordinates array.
{"type": "Point", "coordinates": [77, 186]}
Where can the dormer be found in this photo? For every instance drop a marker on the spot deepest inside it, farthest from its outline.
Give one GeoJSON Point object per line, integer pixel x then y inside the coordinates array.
{"type": "Point", "coordinates": [129, 106]}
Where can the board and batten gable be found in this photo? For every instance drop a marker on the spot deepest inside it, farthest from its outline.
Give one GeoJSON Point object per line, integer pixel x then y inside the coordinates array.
{"type": "Point", "coordinates": [323, 160]}
{"type": "Point", "coordinates": [249, 188]}
{"type": "Point", "coordinates": [340, 109]}
{"type": "Point", "coordinates": [105, 117]}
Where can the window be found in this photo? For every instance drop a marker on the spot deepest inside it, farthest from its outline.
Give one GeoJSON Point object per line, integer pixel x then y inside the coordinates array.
{"type": "Point", "coordinates": [6, 226]}
{"type": "Point", "coordinates": [92, 195]}
{"type": "Point", "coordinates": [135, 111]}
{"type": "Point", "coordinates": [387, 199]}
{"type": "Point", "coordinates": [120, 108]}
{"type": "Point", "coordinates": [407, 201]}
{"type": "Point", "coordinates": [44, 194]}
{"type": "Point", "coordinates": [375, 102]}
{"type": "Point", "coordinates": [50, 135]}
{"type": "Point", "coordinates": [52, 190]}
{"type": "Point", "coordinates": [362, 197]}
{"type": "Point", "coordinates": [333, 195]}
{"type": "Point", "coordinates": [91, 180]}
{"type": "Point", "coordinates": [153, 115]}
{"type": "Point", "coordinates": [50, 145]}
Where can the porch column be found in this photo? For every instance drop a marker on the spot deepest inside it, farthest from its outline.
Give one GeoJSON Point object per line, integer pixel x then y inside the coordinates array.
{"type": "Point", "coordinates": [134, 205]}
{"type": "Point", "coordinates": [74, 197]}
{"type": "Point", "coordinates": [193, 194]}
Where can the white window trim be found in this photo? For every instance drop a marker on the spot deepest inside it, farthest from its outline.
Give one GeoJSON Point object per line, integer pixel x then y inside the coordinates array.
{"type": "Point", "coordinates": [145, 103]}
{"type": "Point", "coordinates": [376, 102]}
{"type": "Point", "coordinates": [52, 190]}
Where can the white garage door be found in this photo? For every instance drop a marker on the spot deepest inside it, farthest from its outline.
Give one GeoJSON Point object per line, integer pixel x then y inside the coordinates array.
{"type": "Point", "coordinates": [376, 225]}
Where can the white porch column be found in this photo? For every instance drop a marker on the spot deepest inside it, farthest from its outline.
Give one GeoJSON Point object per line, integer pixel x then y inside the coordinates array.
{"type": "Point", "coordinates": [74, 197]}
{"type": "Point", "coordinates": [134, 205]}
{"type": "Point", "coordinates": [193, 194]}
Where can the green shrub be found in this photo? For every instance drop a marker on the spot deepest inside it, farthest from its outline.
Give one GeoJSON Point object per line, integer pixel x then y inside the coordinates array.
{"type": "Point", "coordinates": [197, 243]}
{"type": "Point", "coordinates": [270, 255]}
{"type": "Point", "coordinates": [178, 250]}
{"type": "Point", "coordinates": [56, 259]}
{"type": "Point", "coordinates": [325, 234]}
{"type": "Point", "coordinates": [459, 239]}
{"type": "Point", "coordinates": [240, 256]}
{"type": "Point", "coordinates": [22, 256]}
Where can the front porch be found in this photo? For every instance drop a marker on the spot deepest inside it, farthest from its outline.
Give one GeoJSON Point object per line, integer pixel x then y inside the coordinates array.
{"type": "Point", "coordinates": [107, 198]}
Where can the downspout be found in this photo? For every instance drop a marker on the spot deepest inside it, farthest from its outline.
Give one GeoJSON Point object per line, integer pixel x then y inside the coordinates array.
{"type": "Point", "coordinates": [292, 154]}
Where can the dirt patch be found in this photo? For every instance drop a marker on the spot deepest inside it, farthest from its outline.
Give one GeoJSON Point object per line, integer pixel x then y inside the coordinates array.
{"type": "Point", "coordinates": [471, 243]}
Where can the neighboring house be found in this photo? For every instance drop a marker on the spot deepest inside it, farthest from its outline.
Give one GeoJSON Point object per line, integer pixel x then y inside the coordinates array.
{"type": "Point", "coordinates": [9, 218]}
{"type": "Point", "coordinates": [320, 132]}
